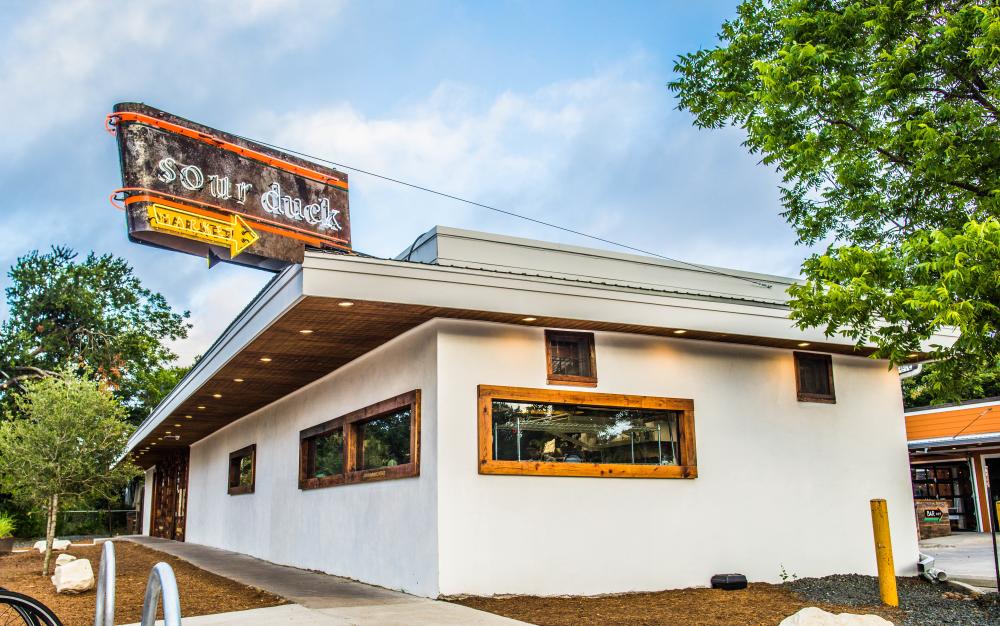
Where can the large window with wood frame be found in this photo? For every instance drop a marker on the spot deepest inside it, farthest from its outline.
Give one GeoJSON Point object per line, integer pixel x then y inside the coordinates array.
{"type": "Point", "coordinates": [814, 377]}
{"type": "Point", "coordinates": [242, 470]}
{"type": "Point", "coordinates": [378, 442]}
{"type": "Point", "coordinates": [570, 358]}
{"type": "Point", "coordinates": [563, 433]}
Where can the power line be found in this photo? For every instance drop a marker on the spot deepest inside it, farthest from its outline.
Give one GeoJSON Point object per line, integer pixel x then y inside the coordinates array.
{"type": "Point", "coordinates": [443, 194]}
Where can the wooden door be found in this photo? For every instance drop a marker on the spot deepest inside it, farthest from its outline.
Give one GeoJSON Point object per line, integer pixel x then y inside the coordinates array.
{"type": "Point", "coordinates": [170, 497]}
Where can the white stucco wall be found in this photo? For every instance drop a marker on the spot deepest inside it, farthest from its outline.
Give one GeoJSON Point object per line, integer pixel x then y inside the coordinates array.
{"type": "Point", "coordinates": [382, 533]}
{"type": "Point", "coordinates": [147, 500]}
{"type": "Point", "coordinates": [781, 483]}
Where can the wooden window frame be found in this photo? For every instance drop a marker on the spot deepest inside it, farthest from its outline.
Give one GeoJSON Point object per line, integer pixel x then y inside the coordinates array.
{"type": "Point", "coordinates": [565, 379]}
{"type": "Point", "coordinates": [238, 489]}
{"type": "Point", "coordinates": [350, 424]}
{"type": "Point", "coordinates": [685, 429]}
{"type": "Point", "coordinates": [830, 398]}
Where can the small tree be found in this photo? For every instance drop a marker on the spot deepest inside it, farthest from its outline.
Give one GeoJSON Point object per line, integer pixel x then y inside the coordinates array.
{"type": "Point", "coordinates": [66, 449]}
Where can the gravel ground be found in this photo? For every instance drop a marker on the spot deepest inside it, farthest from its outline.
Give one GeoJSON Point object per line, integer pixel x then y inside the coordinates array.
{"type": "Point", "coordinates": [923, 603]}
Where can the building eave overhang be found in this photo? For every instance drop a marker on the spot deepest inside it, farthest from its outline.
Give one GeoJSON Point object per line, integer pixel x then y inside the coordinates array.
{"type": "Point", "coordinates": [956, 442]}
{"type": "Point", "coordinates": [391, 297]}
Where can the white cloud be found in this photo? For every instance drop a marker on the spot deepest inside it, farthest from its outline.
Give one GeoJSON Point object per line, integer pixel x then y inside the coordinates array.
{"type": "Point", "coordinates": [61, 60]}
{"type": "Point", "coordinates": [604, 154]}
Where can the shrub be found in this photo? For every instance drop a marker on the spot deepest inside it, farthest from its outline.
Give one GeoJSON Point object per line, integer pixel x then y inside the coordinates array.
{"type": "Point", "coordinates": [7, 526]}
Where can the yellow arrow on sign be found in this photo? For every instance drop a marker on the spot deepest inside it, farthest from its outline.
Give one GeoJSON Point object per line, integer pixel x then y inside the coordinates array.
{"type": "Point", "coordinates": [233, 232]}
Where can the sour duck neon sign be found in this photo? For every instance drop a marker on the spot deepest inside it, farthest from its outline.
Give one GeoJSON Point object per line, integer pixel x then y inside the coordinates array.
{"type": "Point", "coordinates": [290, 202]}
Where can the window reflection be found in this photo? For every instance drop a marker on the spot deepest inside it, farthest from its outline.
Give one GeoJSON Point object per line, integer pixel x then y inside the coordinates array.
{"type": "Point", "coordinates": [568, 433]}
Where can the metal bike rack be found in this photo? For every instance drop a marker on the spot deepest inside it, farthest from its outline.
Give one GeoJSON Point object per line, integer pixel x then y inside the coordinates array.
{"type": "Point", "coordinates": [104, 614]}
{"type": "Point", "coordinates": [161, 587]}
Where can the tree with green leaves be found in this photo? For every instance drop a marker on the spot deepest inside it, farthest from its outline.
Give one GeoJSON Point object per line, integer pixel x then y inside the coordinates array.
{"type": "Point", "coordinates": [66, 449]}
{"type": "Point", "coordinates": [883, 117]}
{"type": "Point", "coordinates": [93, 315]}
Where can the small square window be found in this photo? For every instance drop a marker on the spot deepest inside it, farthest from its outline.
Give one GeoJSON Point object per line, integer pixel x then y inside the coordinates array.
{"type": "Point", "coordinates": [242, 470]}
{"type": "Point", "coordinates": [570, 358]}
{"type": "Point", "coordinates": [814, 377]}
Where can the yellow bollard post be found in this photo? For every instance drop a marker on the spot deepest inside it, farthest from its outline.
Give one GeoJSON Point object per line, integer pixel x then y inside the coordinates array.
{"type": "Point", "coordinates": [883, 553]}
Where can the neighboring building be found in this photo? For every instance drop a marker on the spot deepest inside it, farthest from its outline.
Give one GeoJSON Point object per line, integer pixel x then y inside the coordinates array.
{"type": "Point", "coordinates": [955, 456]}
{"type": "Point", "coordinates": [487, 415]}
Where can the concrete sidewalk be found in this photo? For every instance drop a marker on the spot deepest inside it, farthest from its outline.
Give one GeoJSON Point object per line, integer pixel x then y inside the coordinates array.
{"type": "Point", "coordinates": [320, 599]}
{"type": "Point", "coordinates": [966, 557]}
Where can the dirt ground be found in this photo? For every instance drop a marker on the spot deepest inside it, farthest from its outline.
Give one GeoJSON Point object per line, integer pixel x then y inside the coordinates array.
{"type": "Point", "coordinates": [758, 604]}
{"type": "Point", "coordinates": [201, 593]}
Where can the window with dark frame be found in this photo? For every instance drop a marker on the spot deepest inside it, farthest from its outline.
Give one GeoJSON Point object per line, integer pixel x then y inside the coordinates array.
{"type": "Point", "coordinates": [571, 433]}
{"type": "Point", "coordinates": [242, 470]}
{"type": "Point", "coordinates": [814, 377]}
{"type": "Point", "coordinates": [570, 358]}
{"type": "Point", "coordinates": [378, 442]}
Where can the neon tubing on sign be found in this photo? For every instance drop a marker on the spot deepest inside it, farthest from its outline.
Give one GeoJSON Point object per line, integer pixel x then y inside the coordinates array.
{"type": "Point", "coordinates": [151, 195]}
{"type": "Point", "coordinates": [113, 119]}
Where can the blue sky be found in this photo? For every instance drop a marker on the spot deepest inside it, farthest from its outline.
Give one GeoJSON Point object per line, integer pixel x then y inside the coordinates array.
{"type": "Point", "coordinates": [558, 110]}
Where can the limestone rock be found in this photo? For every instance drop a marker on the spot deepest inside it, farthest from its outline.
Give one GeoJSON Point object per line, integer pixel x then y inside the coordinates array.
{"type": "Point", "coordinates": [74, 577]}
{"type": "Point", "coordinates": [57, 544]}
{"type": "Point", "coordinates": [63, 559]}
{"type": "Point", "coordinates": [812, 616]}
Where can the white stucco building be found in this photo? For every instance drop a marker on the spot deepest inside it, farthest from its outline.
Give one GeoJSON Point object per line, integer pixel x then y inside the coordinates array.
{"type": "Point", "coordinates": [488, 415]}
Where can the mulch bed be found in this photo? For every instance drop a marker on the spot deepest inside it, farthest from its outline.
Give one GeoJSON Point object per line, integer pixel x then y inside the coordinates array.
{"type": "Point", "coordinates": [201, 593]}
{"type": "Point", "coordinates": [760, 603]}
{"type": "Point", "coordinates": [922, 604]}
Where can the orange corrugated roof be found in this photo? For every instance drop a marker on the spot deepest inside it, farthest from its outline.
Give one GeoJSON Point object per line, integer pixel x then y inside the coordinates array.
{"type": "Point", "coordinates": [953, 421]}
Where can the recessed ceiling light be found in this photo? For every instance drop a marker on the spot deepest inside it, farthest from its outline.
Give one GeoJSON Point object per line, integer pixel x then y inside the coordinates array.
{"type": "Point", "coordinates": [187, 417]}
{"type": "Point", "coordinates": [265, 359]}
{"type": "Point", "coordinates": [237, 380]}
{"type": "Point", "coordinates": [177, 425]}
{"type": "Point", "coordinates": [201, 407]}
{"type": "Point", "coordinates": [152, 443]}
{"type": "Point", "coordinates": [345, 303]}
{"type": "Point", "coordinates": [159, 439]}
{"type": "Point", "coordinates": [305, 331]}
{"type": "Point", "coordinates": [804, 344]}
{"type": "Point", "coordinates": [216, 395]}
{"type": "Point", "coordinates": [679, 331]}
{"type": "Point", "coordinates": [168, 432]}
{"type": "Point", "coordinates": [528, 319]}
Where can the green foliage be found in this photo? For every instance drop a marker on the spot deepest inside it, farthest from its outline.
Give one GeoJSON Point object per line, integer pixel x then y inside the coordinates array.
{"type": "Point", "coordinates": [67, 444]}
{"type": "Point", "coordinates": [93, 315]}
{"type": "Point", "coordinates": [151, 387]}
{"type": "Point", "coordinates": [29, 522]}
{"type": "Point", "coordinates": [7, 526]}
{"type": "Point", "coordinates": [919, 390]}
{"type": "Point", "coordinates": [883, 118]}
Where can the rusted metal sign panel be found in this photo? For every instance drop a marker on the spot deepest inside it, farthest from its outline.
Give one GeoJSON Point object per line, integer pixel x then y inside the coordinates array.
{"type": "Point", "coordinates": [198, 190]}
